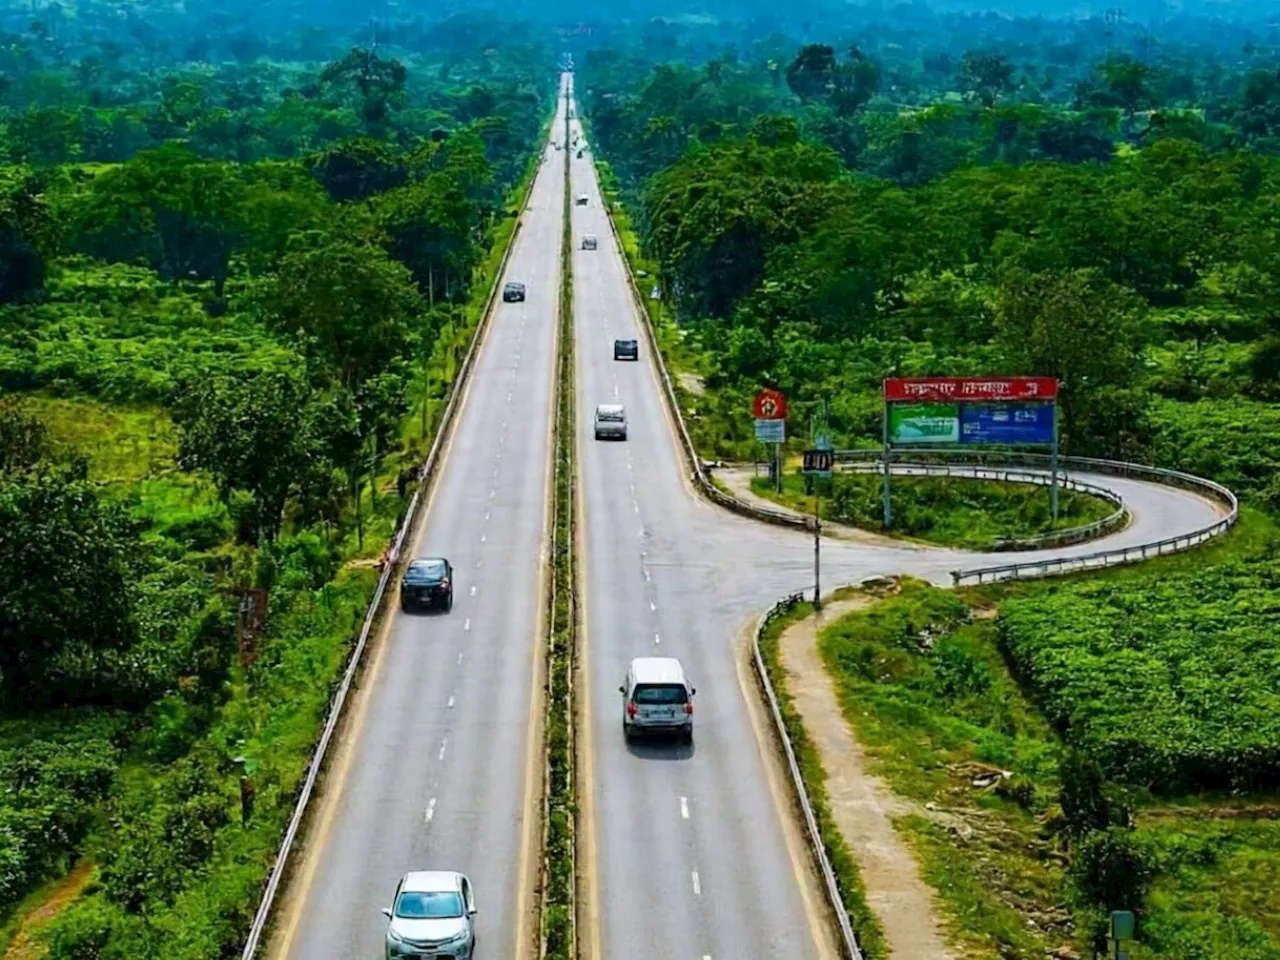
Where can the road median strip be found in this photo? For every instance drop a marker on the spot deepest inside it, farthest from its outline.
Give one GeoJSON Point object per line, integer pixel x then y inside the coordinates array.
{"type": "Point", "coordinates": [558, 921]}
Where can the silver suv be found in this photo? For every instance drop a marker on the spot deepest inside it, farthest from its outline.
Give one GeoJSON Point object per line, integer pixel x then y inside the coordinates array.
{"type": "Point", "coordinates": [611, 421]}
{"type": "Point", "coordinates": [432, 915]}
{"type": "Point", "coordinates": [656, 698]}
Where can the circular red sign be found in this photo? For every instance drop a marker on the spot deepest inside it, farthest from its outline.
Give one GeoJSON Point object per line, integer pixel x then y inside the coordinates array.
{"type": "Point", "coordinates": [769, 405]}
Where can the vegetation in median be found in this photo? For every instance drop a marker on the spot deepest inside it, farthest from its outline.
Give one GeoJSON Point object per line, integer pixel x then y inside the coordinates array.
{"type": "Point", "coordinates": [559, 919]}
{"type": "Point", "coordinates": [950, 511]}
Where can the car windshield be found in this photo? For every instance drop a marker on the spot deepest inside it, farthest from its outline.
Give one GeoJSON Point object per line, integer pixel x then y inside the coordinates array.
{"type": "Point", "coordinates": [429, 905]}
{"type": "Point", "coordinates": [515, 286]}
{"type": "Point", "coordinates": [660, 693]}
{"type": "Point", "coordinates": [609, 415]}
{"type": "Point", "coordinates": [428, 572]}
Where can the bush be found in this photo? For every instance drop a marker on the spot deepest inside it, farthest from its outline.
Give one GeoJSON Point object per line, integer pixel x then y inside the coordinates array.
{"type": "Point", "coordinates": [1166, 682]}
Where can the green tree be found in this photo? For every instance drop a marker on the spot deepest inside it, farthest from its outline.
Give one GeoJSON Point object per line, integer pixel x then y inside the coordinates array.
{"type": "Point", "coordinates": [261, 435]}
{"type": "Point", "coordinates": [379, 82]}
{"type": "Point", "coordinates": [986, 76]}
{"type": "Point", "coordinates": [26, 231]}
{"type": "Point", "coordinates": [66, 563]}
{"type": "Point", "coordinates": [354, 308]}
{"type": "Point", "coordinates": [182, 214]}
{"type": "Point", "coordinates": [1074, 325]}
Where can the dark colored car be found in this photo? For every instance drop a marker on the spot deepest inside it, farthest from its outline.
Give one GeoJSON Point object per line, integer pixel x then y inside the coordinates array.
{"type": "Point", "coordinates": [513, 292]}
{"type": "Point", "coordinates": [427, 584]}
{"type": "Point", "coordinates": [626, 350]}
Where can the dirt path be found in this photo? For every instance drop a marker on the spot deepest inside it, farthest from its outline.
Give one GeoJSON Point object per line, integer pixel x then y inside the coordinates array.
{"type": "Point", "coordinates": [862, 805]}
{"type": "Point", "coordinates": [737, 480]}
{"type": "Point", "coordinates": [25, 945]}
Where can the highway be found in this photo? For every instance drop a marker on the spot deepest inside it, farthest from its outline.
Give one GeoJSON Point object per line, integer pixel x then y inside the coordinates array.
{"type": "Point", "coordinates": [690, 851]}
{"type": "Point", "coordinates": [685, 851]}
{"type": "Point", "coordinates": [441, 751]}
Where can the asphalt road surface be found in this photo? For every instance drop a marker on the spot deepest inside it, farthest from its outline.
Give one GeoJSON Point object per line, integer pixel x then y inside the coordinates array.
{"type": "Point", "coordinates": [433, 775]}
{"type": "Point", "coordinates": [689, 850]}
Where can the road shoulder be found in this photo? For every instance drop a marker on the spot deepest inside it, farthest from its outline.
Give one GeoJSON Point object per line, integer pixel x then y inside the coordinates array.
{"type": "Point", "coordinates": [862, 805]}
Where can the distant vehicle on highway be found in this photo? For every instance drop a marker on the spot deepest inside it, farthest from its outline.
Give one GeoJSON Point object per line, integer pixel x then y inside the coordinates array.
{"type": "Point", "coordinates": [611, 421]}
{"type": "Point", "coordinates": [579, 154]}
{"type": "Point", "coordinates": [513, 292]}
{"type": "Point", "coordinates": [427, 583]}
{"type": "Point", "coordinates": [432, 915]}
{"type": "Point", "coordinates": [589, 242]}
{"type": "Point", "coordinates": [626, 350]}
{"type": "Point", "coordinates": [583, 199]}
{"type": "Point", "coordinates": [657, 699]}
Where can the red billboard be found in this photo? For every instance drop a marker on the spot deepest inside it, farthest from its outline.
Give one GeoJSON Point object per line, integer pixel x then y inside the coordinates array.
{"type": "Point", "coordinates": [956, 389]}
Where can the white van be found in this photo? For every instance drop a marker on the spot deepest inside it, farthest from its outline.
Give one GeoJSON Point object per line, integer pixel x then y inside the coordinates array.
{"type": "Point", "coordinates": [656, 699]}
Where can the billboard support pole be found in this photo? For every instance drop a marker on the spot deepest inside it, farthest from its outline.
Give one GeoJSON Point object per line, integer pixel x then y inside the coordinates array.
{"type": "Point", "coordinates": [888, 510]}
{"type": "Point", "coordinates": [777, 466]}
{"type": "Point", "coordinates": [1053, 467]}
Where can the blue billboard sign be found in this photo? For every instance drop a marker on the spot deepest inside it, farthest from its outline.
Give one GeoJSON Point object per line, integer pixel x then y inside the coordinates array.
{"type": "Point", "coordinates": [1008, 423]}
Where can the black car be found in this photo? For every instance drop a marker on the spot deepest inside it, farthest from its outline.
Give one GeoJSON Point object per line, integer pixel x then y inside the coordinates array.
{"type": "Point", "coordinates": [513, 292]}
{"type": "Point", "coordinates": [427, 583]}
{"type": "Point", "coordinates": [626, 350]}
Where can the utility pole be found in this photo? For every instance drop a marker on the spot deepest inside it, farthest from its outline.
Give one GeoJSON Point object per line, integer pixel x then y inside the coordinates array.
{"type": "Point", "coordinates": [817, 549]}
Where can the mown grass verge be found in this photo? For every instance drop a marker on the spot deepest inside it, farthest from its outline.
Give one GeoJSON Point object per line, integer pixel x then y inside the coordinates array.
{"type": "Point", "coordinates": [559, 930]}
{"type": "Point", "coordinates": [949, 511]}
{"type": "Point", "coordinates": [848, 877]}
{"type": "Point", "coordinates": [182, 869]}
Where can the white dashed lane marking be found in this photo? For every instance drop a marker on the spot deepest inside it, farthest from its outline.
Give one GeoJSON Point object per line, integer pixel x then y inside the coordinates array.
{"type": "Point", "coordinates": [431, 809]}
{"type": "Point", "coordinates": [444, 745]}
{"type": "Point", "coordinates": [697, 884]}
{"type": "Point", "coordinates": [684, 807]}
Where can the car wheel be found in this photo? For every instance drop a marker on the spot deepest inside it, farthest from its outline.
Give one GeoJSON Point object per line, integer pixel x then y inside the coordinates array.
{"type": "Point", "coordinates": [626, 731]}
{"type": "Point", "coordinates": [448, 604]}
{"type": "Point", "coordinates": [404, 605]}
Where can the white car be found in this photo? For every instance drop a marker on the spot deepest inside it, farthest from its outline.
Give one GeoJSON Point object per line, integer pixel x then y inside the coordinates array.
{"type": "Point", "coordinates": [433, 914]}
{"type": "Point", "coordinates": [583, 199]}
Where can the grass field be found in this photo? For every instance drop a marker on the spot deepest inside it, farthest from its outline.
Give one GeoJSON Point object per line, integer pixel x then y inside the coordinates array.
{"type": "Point", "coordinates": [952, 512]}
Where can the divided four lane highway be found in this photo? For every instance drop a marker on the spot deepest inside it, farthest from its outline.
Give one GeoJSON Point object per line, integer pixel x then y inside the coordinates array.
{"type": "Point", "coordinates": [434, 773]}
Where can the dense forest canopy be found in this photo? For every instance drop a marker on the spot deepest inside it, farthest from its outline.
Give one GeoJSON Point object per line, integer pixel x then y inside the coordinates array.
{"type": "Point", "coordinates": [849, 214]}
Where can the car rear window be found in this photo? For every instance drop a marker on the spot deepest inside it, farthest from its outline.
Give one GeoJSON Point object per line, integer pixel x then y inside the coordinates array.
{"type": "Point", "coordinates": [610, 415]}
{"type": "Point", "coordinates": [660, 693]}
{"type": "Point", "coordinates": [425, 572]}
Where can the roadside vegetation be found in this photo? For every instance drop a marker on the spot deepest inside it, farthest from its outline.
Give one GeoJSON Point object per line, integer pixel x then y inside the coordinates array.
{"type": "Point", "coordinates": [233, 303]}
{"type": "Point", "coordinates": [818, 217]}
{"type": "Point", "coordinates": [950, 511]}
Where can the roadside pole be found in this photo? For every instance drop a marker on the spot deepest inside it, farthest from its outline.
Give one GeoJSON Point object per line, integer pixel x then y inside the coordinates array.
{"type": "Point", "coordinates": [1053, 467]}
{"type": "Point", "coordinates": [888, 510]}
{"type": "Point", "coordinates": [817, 549]}
{"type": "Point", "coordinates": [818, 464]}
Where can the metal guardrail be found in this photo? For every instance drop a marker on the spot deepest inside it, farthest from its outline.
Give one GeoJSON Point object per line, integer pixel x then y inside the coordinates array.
{"type": "Point", "coordinates": [843, 921]}
{"type": "Point", "coordinates": [1089, 561]}
{"type": "Point", "coordinates": [1054, 538]}
{"type": "Point", "coordinates": [426, 477]}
